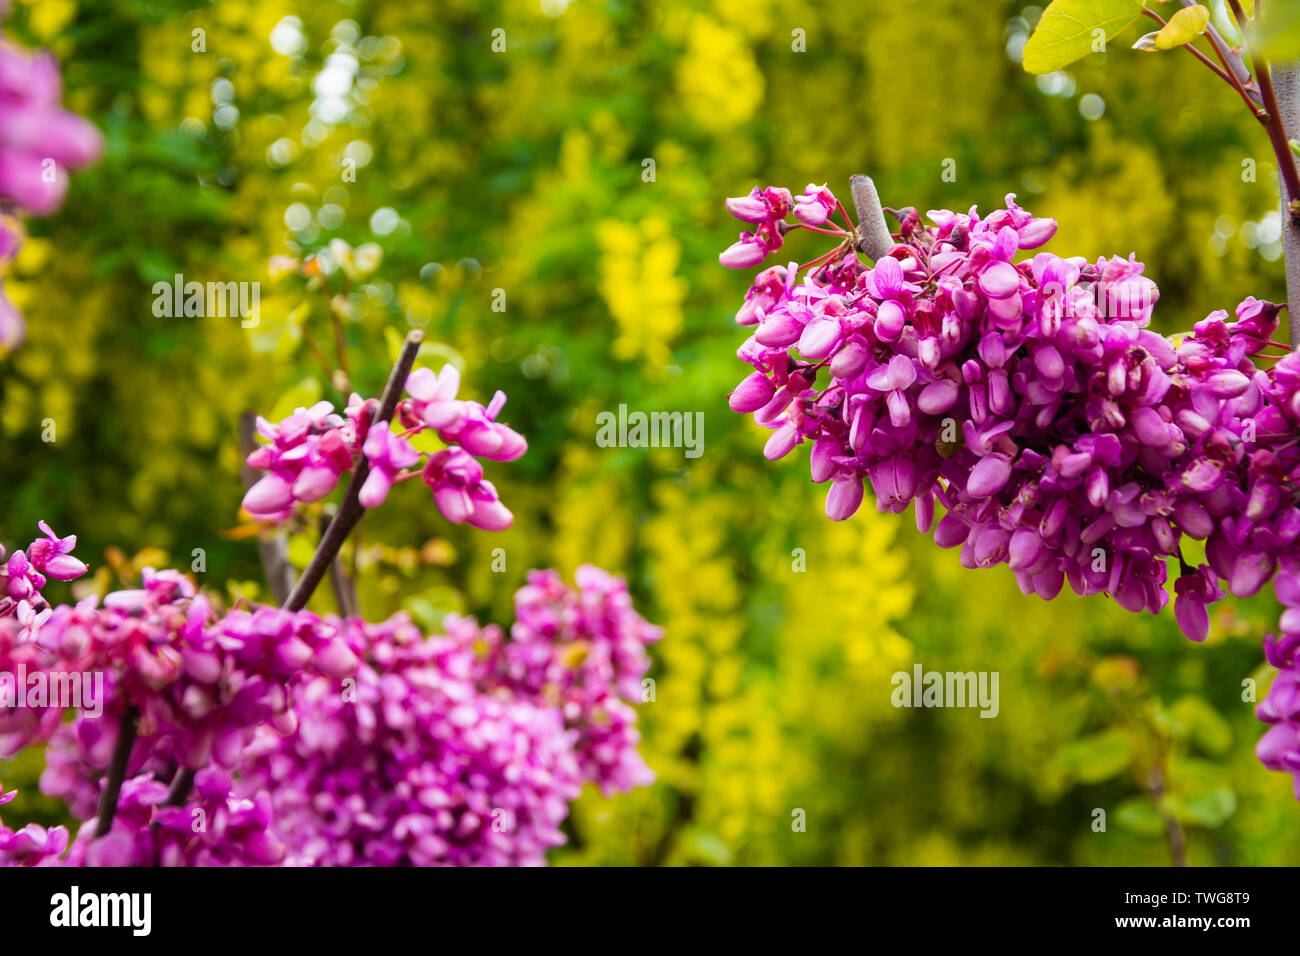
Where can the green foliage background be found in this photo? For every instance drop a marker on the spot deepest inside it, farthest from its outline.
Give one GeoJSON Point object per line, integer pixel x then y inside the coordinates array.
{"type": "Point", "coordinates": [523, 171]}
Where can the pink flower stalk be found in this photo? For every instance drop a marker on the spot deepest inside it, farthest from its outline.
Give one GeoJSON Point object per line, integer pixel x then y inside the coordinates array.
{"type": "Point", "coordinates": [1029, 400]}
{"type": "Point", "coordinates": [25, 572]}
{"type": "Point", "coordinates": [462, 749]}
{"type": "Point", "coordinates": [310, 451]}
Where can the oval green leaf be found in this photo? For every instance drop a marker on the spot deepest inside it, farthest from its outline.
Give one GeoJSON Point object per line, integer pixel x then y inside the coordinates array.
{"type": "Point", "coordinates": [1068, 30]}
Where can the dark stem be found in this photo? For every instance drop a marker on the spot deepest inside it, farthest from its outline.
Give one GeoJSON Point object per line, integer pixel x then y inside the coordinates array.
{"type": "Point", "coordinates": [116, 771]}
{"type": "Point", "coordinates": [350, 511]}
{"type": "Point", "coordinates": [179, 791]}
{"type": "Point", "coordinates": [344, 588]}
{"type": "Point", "coordinates": [1190, 48]}
{"type": "Point", "coordinates": [271, 545]}
{"type": "Point", "coordinates": [1232, 61]}
{"type": "Point", "coordinates": [177, 794]}
{"type": "Point", "coordinates": [1276, 126]}
{"type": "Point", "coordinates": [1173, 829]}
{"type": "Point", "coordinates": [1288, 96]}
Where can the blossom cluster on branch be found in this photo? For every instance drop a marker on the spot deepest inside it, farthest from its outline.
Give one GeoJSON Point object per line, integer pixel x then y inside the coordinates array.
{"type": "Point", "coordinates": [1029, 402]}
{"type": "Point", "coordinates": [327, 741]}
{"type": "Point", "coordinates": [464, 748]}
{"type": "Point", "coordinates": [39, 143]}
{"type": "Point", "coordinates": [310, 450]}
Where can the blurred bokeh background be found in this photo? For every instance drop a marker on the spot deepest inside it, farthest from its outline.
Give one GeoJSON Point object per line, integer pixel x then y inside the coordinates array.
{"type": "Point", "coordinates": [232, 129]}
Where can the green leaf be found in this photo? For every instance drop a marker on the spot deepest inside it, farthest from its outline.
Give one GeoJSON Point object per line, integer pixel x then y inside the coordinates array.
{"type": "Point", "coordinates": [1097, 757]}
{"type": "Point", "coordinates": [1207, 808]}
{"type": "Point", "coordinates": [1183, 27]}
{"type": "Point", "coordinates": [1276, 33]}
{"type": "Point", "coordinates": [1203, 724]}
{"type": "Point", "coordinates": [1069, 30]}
{"type": "Point", "coordinates": [1139, 815]}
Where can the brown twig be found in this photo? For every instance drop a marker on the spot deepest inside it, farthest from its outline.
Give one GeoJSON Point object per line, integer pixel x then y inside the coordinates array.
{"type": "Point", "coordinates": [1232, 61]}
{"type": "Point", "coordinates": [350, 511]}
{"type": "Point", "coordinates": [1288, 96]}
{"type": "Point", "coordinates": [1191, 48]}
{"type": "Point", "coordinates": [344, 588]}
{"type": "Point", "coordinates": [1173, 829]}
{"type": "Point", "coordinates": [117, 765]}
{"type": "Point", "coordinates": [337, 532]}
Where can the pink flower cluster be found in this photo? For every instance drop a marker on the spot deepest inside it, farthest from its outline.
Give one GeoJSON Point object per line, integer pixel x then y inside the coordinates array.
{"type": "Point", "coordinates": [39, 143]}
{"type": "Point", "coordinates": [465, 748]}
{"type": "Point", "coordinates": [1279, 748]}
{"type": "Point", "coordinates": [306, 455]}
{"type": "Point", "coordinates": [586, 649]}
{"type": "Point", "coordinates": [311, 449]}
{"type": "Point", "coordinates": [215, 827]}
{"type": "Point", "coordinates": [416, 765]}
{"type": "Point", "coordinates": [454, 474]}
{"type": "Point", "coordinates": [31, 845]}
{"type": "Point", "coordinates": [198, 686]}
{"type": "Point", "coordinates": [1028, 399]}
{"type": "Point", "coordinates": [25, 573]}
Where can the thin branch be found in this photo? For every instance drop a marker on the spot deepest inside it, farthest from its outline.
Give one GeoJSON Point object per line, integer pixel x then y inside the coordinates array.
{"type": "Point", "coordinates": [1173, 829]}
{"type": "Point", "coordinates": [344, 588]}
{"type": "Point", "coordinates": [1288, 96]}
{"type": "Point", "coordinates": [1231, 59]}
{"type": "Point", "coordinates": [350, 511]}
{"type": "Point", "coordinates": [326, 552]}
{"type": "Point", "coordinates": [1191, 48]}
{"type": "Point", "coordinates": [1281, 146]}
{"type": "Point", "coordinates": [180, 788]}
{"type": "Point", "coordinates": [126, 735]}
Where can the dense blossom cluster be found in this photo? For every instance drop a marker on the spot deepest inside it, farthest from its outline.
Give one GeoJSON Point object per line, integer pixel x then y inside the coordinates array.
{"type": "Point", "coordinates": [1028, 399]}
{"type": "Point", "coordinates": [30, 845]}
{"type": "Point", "coordinates": [311, 449]}
{"type": "Point", "coordinates": [214, 827]}
{"type": "Point", "coordinates": [1279, 748]}
{"type": "Point", "coordinates": [25, 572]}
{"type": "Point", "coordinates": [320, 741]}
{"type": "Point", "coordinates": [196, 686]}
{"type": "Point", "coordinates": [39, 143]}
{"type": "Point", "coordinates": [586, 648]}
{"type": "Point", "coordinates": [463, 748]}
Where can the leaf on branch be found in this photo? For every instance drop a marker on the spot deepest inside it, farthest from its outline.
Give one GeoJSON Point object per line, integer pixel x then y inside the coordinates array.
{"type": "Point", "coordinates": [1183, 27]}
{"type": "Point", "coordinates": [1097, 757]}
{"type": "Point", "coordinates": [1139, 815]}
{"type": "Point", "coordinates": [1069, 29]}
